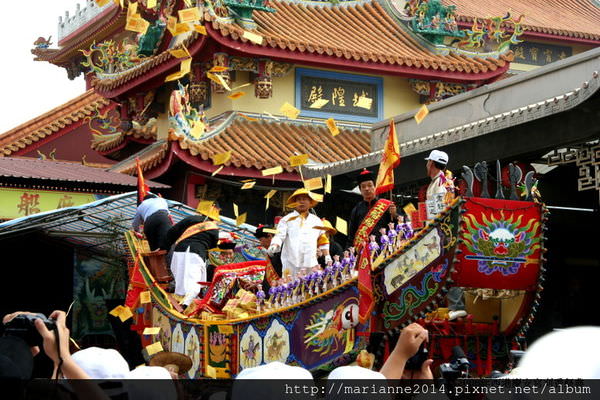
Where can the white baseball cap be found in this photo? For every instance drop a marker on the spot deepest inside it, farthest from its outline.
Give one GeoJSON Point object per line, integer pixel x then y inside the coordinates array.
{"type": "Point", "coordinates": [438, 156]}
{"type": "Point", "coordinates": [571, 353]}
{"type": "Point", "coordinates": [101, 363]}
{"type": "Point", "coordinates": [275, 370]}
{"type": "Point", "coordinates": [354, 372]}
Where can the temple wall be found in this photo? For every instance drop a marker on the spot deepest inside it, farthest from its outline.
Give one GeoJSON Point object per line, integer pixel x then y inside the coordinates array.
{"type": "Point", "coordinates": [397, 96]}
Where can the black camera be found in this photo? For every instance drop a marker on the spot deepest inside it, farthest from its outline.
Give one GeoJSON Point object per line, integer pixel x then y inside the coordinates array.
{"type": "Point", "coordinates": [23, 326]}
{"type": "Point", "coordinates": [416, 362]}
{"type": "Point", "coordinates": [457, 368]}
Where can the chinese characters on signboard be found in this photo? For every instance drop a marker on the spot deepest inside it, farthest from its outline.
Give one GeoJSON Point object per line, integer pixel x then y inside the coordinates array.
{"type": "Point", "coordinates": [325, 94]}
{"type": "Point", "coordinates": [16, 203]}
{"type": "Point", "coordinates": [540, 54]}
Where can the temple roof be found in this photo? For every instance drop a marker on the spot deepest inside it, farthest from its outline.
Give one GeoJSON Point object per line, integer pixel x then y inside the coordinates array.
{"type": "Point", "coordinates": [63, 171]}
{"type": "Point", "coordinates": [258, 145]}
{"type": "Point", "coordinates": [50, 122]}
{"type": "Point", "coordinates": [361, 36]}
{"type": "Point", "coordinates": [363, 31]}
{"type": "Point", "coordinates": [572, 19]}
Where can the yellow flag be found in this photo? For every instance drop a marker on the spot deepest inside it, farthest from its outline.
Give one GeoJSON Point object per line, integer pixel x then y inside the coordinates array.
{"type": "Point", "coordinates": [218, 79]}
{"type": "Point", "coordinates": [268, 230]}
{"type": "Point", "coordinates": [154, 348]}
{"type": "Point", "coordinates": [115, 312]}
{"type": "Point", "coordinates": [331, 125]}
{"type": "Point", "coordinates": [235, 210]}
{"type": "Point", "coordinates": [328, 184]}
{"type": "Point", "coordinates": [241, 219]}
{"type": "Point", "coordinates": [151, 3]}
{"type": "Point", "coordinates": [218, 68]}
{"type": "Point", "coordinates": [289, 111]}
{"type": "Point", "coordinates": [236, 95]}
{"type": "Point", "coordinates": [184, 68]}
{"type": "Point", "coordinates": [188, 3]}
{"type": "Point", "coordinates": [201, 29]}
{"type": "Point", "coordinates": [319, 103]}
{"type": "Point", "coordinates": [145, 297]}
{"type": "Point", "coordinates": [189, 15]}
{"type": "Point", "coordinates": [272, 171]}
{"type": "Point", "coordinates": [341, 225]}
{"type": "Point", "coordinates": [137, 24]}
{"type": "Point", "coordinates": [204, 207]}
{"type": "Point", "coordinates": [421, 114]}
{"type": "Point", "coordinates": [216, 171]}
{"type": "Point", "coordinates": [270, 194]}
{"type": "Point", "coordinates": [248, 185]}
{"type": "Point", "coordinates": [102, 3]}
{"type": "Point", "coordinates": [221, 158]}
{"type": "Point", "coordinates": [125, 314]}
{"type": "Point", "coordinates": [314, 183]}
{"type": "Point", "coordinates": [151, 331]}
{"type": "Point", "coordinates": [181, 28]}
{"type": "Point", "coordinates": [296, 161]}
{"type": "Point", "coordinates": [390, 159]}
{"type": "Point", "coordinates": [253, 37]}
{"type": "Point", "coordinates": [181, 52]}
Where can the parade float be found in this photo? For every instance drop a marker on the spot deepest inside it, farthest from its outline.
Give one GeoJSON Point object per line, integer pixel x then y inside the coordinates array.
{"type": "Point", "coordinates": [491, 247]}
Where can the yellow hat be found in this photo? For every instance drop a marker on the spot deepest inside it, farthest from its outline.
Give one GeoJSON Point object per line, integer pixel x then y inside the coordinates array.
{"type": "Point", "coordinates": [326, 226]}
{"type": "Point", "coordinates": [314, 197]}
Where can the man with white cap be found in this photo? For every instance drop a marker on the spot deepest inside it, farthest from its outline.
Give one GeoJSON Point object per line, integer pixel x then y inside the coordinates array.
{"type": "Point", "coordinates": [439, 186]}
{"type": "Point", "coordinates": [437, 193]}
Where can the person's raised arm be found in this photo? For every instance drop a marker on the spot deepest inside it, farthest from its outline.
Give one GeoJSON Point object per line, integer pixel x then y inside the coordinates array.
{"type": "Point", "coordinates": [407, 346]}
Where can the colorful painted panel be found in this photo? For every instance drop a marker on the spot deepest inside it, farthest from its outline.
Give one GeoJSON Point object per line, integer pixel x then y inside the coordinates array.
{"type": "Point", "coordinates": [414, 279]}
{"type": "Point", "coordinates": [407, 265]}
{"type": "Point", "coordinates": [250, 348]}
{"type": "Point", "coordinates": [502, 244]}
{"type": "Point", "coordinates": [180, 337]}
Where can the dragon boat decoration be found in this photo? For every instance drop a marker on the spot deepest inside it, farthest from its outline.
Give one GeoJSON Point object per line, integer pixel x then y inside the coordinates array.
{"type": "Point", "coordinates": [493, 248]}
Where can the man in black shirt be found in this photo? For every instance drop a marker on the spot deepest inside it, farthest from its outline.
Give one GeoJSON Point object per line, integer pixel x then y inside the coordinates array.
{"type": "Point", "coordinates": [366, 184]}
{"type": "Point", "coordinates": [191, 238]}
{"type": "Point", "coordinates": [264, 239]}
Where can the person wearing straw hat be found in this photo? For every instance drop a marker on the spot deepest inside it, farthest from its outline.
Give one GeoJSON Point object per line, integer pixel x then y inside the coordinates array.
{"type": "Point", "coordinates": [335, 249]}
{"type": "Point", "coordinates": [176, 363]}
{"type": "Point", "coordinates": [296, 236]}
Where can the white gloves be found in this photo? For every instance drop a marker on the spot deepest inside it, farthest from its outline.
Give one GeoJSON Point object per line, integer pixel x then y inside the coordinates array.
{"type": "Point", "coordinates": [328, 259]}
{"type": "Point", "coordinates": [274, 248]}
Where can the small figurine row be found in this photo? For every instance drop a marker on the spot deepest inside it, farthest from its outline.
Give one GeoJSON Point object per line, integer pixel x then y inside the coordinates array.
{"type": "Point", "coordinates": [392, 238]}
{"type": "Point", "coordinates": [307, 284]}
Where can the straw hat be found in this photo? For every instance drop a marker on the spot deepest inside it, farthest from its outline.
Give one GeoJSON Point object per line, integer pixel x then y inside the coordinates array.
{"type": "Point", "coordinates": [164, 358]}
{"type": "Point", "coordinates": [314, 197]}
{"type": "Point", "coordinates": [327, 227]}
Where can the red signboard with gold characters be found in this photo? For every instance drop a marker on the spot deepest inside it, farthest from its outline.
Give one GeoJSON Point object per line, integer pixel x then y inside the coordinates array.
{"type": "Point", "coordinates": [502, 244]}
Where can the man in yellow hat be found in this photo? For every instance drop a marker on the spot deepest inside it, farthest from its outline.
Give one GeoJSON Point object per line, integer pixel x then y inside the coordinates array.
{"type": "Point", "coordinates": [296, 236]}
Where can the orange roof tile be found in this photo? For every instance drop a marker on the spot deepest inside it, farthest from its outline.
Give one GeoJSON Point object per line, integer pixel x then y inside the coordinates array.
{"type": "Point", "coordinates": [360, 32]}
{"type": "Point", "coordinates": [262, 144]}
{"type": "Point", "coordinates": [571, 18]}
{"type": "Point", "coordinates": [50, 122]}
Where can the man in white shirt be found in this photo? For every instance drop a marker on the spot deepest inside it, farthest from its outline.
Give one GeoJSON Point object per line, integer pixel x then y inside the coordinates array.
{"type": "Point", "coordinates": [436, 192]}
{"type": "Point", "coordinates": [297, 237]}
{"type": "Point", "coordinates": [153, 213]}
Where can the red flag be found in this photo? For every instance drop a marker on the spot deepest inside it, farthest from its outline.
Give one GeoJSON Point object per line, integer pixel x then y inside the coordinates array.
{"type": "Point", "coordinates": [142, 188]}
{"type": "Point", "coordinates": [390, 159]}
{"type": "Point", "coordinates": [366, 300]}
